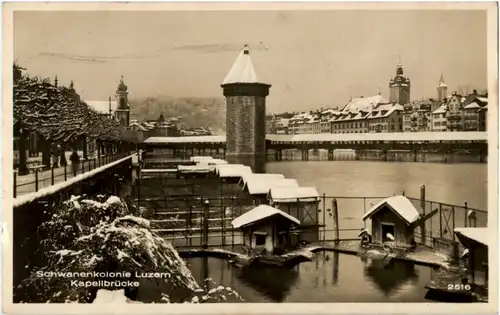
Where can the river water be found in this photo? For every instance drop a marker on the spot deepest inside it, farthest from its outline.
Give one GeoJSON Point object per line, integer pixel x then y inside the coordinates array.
{"type": "Point", "coordinates": [342, 278]}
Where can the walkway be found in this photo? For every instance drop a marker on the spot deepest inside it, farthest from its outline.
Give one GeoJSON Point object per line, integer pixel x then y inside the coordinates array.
{"type": "Point", "coordinates": [41, 179]}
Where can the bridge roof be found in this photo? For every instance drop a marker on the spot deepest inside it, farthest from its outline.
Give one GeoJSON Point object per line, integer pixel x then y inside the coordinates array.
{"type": "Point", "coordinates": [320, 137]}
{"type": "Point", "coordinates": [390, 136]}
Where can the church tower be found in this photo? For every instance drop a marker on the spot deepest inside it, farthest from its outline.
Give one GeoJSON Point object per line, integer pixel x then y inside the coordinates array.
{"type": "Point", "coordinates": [400, 87]}
{"type": "Point", "coordinates": [122, 112]}
{"type": "Point", "coordinates": [442, 89]}
{"type": "Point", "coordinates": [245, 109]}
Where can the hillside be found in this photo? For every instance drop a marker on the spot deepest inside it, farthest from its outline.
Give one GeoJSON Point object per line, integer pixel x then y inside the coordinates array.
{"type": "Point", "coordinates": [195, 112]}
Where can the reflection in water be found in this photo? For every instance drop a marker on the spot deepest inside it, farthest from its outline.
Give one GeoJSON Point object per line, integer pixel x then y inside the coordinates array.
{"type": "Point", "coordinates": [272, 281]}
{"type": "Point", "coordinates": [389, 275]}
{"type": "Point", "coordinates": [330, 277]}
{"type": "Point", "coordinates": [256, 163]}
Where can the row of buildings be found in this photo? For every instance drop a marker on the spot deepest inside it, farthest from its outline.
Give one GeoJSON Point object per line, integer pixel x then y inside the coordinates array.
{"type": "Point", "coordinates": [453, 112]}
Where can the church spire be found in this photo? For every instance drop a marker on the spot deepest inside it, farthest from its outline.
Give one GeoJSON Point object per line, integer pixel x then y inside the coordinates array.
{"type": "Point", "coordinates": [441, 81]}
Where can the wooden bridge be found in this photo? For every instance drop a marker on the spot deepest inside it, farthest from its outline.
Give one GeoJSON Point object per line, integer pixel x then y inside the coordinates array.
{"type": "Point", "coordinates": [445, 142]}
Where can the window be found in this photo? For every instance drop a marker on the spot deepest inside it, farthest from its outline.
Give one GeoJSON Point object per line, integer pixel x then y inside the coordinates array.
{"type": "Point", "coordinates": [260, 239]}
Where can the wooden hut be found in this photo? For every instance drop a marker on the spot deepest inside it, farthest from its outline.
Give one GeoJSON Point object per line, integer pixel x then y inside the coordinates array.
{"type": "Point", "coordinates": [197, 159]}
{"type": "Point", "coordinates": [475, 240]}
{"type": "Point", "coordinates": [393, 222]}
{"type": "Point", "coordinates": [302, 203]}
{"type": "Point", "coordinates": [258, 187]}
{"type": "Point", "coordinates": [194, 171]}
{"type": "Point", "coordinates": [265, 227]}
{"type": "Point", "coordinates": [230, 175]}
{"type": "Point", "coordinates": [247, 177]}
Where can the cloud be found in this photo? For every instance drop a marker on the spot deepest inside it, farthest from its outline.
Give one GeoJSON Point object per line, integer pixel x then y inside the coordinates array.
{"type": "Point", "coordinates": [214, 48]}
{"type": "Point", "coordinates": [93, 59]}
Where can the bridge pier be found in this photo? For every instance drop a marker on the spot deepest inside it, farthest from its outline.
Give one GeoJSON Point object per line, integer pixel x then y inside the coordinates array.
{"type": "Point", "coordinates": [330, 154]}
{"type": "Point", "coordinates": [278, 155]}
{"type": "Point", "coordinates": [482, 157]}
{"type": "Point", "coordinates": [305, 155]}
{"type": "Point", "coordinates": [384, 155]}
{"type": "Point", "coordinates": [446, 157]}
{"type": "Point", "coordinates": [415, 156]}
{"type": "Point", "coordinates": [356, 155]}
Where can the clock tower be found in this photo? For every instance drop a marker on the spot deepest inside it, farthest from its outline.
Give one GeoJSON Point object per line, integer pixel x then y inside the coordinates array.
{"type": "Point", "coordinates": [400, 87]}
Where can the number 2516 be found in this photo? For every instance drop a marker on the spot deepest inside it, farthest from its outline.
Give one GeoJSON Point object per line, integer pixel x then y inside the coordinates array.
{"type": "Point", "coordinates": [456, 287]}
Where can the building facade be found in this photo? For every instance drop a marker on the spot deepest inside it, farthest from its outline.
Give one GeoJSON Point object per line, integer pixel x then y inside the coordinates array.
{"type": "Point", "coordinates": [245, 109]}
{"type": "Point", "coordinates": [122, 112]}
{"type": "Point", "coordinates": [399, 87]}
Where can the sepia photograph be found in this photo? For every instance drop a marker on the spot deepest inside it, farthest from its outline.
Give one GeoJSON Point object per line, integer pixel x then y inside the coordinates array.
{"type": "Point", "coordinates": [175, 154]}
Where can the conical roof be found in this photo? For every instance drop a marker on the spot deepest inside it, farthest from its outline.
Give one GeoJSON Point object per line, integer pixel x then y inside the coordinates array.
{"type": "Point", "coordinates": [242, 70]}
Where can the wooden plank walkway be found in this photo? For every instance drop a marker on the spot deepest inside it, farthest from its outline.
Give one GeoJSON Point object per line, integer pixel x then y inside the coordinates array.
{"type": "Point", "coordinates": [422, 256]}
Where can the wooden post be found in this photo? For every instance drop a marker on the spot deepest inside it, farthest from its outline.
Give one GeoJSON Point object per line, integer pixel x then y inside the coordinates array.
{"type": "Point", "coordinates": [65, 172]}
{"type": "Point", "coordinates": [335, 211]}
{"type": "Point", "coordinates": [422, 207]}
{"type": "Point", "coordinates": [465, 214]}
{"type": "Point", "coordinates": [324, 218]}
{"type": "Point", "coordinates": [206, 205]}
{"type": "Point", "coordinates": [15, 184]}
{"type": "Point", "coordinates": [36, 180]}
{"type": "Point", "coordinates": [52, 175]}
{"type": "Point", "coordinates": [440, 220]}
{"type": "Point", "coordinates": [23, 167]}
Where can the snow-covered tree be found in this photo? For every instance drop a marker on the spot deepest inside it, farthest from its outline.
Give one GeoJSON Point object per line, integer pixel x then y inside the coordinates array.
{"type": "Point", "coordinates": [102, 235]}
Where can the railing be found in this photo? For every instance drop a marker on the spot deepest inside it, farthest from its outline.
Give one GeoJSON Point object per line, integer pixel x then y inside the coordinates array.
{"type": "Point", "coordinates": [178, 207]}
{"type": "Point", "coordinates": [39, 179]}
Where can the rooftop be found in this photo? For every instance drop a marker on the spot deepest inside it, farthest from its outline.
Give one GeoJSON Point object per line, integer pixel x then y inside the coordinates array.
{"type": "Point", "coordinates": [242, 70]}
{"type": "Point", "coordinates": [479, 235]}
{"type": "Point", "coordinates": [259, 213]}
{"type": "Point", "coordinates": [400, 205]}
{"type": "Point", "coordinates": [293, 194]}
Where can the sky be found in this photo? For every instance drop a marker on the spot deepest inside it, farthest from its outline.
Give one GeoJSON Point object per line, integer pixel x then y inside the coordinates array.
{"type": "Point", "coordinates": [312, 59]}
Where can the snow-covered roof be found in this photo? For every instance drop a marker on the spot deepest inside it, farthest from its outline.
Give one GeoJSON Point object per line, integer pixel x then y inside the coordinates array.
{"type": "Point", "coordinates": [364, 103]}
{"type": "Point", "coordinates": [483, 99]}
{"type": "Point", "coordinates": [242, 70]}
{"type": "Point", "coordinates": [441, 109]}
{"type": "Point", "coordinates": [292, 194]}
{"type": "Point", "coordinates": [268, 176]}
{"type": "Point", "coordinates": [261, 186]}
{"type": "Point", "coordinates": [472, 105]}
{"type": "Point", "coordinates": [400, 205]}
{"type": "Point", "coordinates": [479, 235]}
{"type": "Point", "coordinates": [212, 162]}
{"type": "Point", "coordinates": [259, 213]}
{"type": "Point", "coordinates": [234, 171]}
{"type": "Point", "coordinates": [193, 139]}
{"type": "Point", "coordinates": [219, 166]}
{"type": "Point", "coordinates": [200, 158]}
{"type": "Point", "coordinates": [193, 169]}
{"type": "Point", "coordinates": [390, 136]}
{"type": "Point", "coordinates": [102, 106]}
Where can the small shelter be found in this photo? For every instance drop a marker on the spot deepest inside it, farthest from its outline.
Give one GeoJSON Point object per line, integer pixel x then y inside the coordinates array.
{"type": "Point", "coordinates": [233, 173]}
{"type": "Point", "coordinates": [475, 240]}
{"type": "Point", "coordinates": [194, 171]}
{"type": "Point", "coordinates": [302, 203]}
{"type": "Point", "coordinates": [247, 177]}
{"type": "Point", "coordinates": [258, 187]}
{"type": "Point", "coordinates": [197, 159]}
{"type": "Point", "coordinates": [266, 227]}
{"type": "Point", "coordinates": [212, 163]}
{"type": "Point", "coordinates": [393, 222]}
